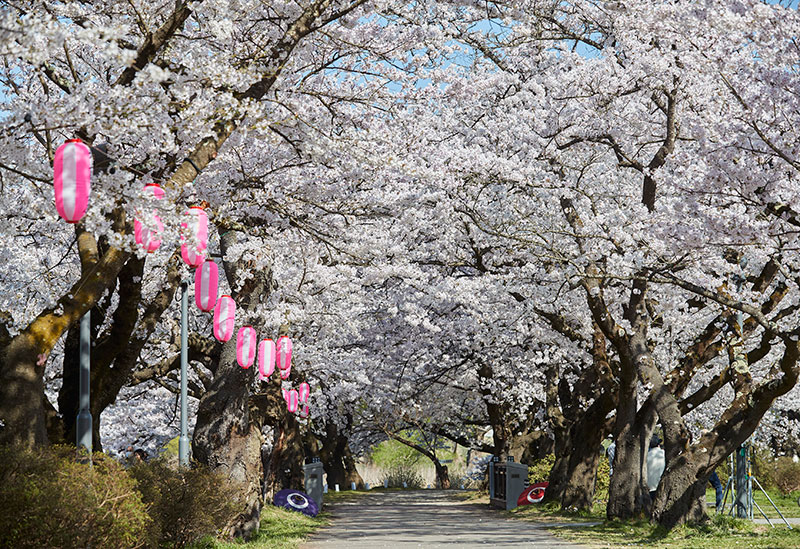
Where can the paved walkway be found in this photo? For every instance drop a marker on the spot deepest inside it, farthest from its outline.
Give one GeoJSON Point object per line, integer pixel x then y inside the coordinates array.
{"type": "Point", "coordinates": [425, 518]}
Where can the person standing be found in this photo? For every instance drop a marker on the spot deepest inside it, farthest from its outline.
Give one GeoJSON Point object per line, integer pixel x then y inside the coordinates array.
{"type": "Point", "coordinates": [655, 465]}
{"type": "Point", "coordinates": [715, 482]}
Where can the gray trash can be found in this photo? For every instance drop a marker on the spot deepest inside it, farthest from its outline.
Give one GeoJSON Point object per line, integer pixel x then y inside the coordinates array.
{"type": "Point", "coordinates": [506, 483]}
{"type": "Point", "coordinates": [313, 480]}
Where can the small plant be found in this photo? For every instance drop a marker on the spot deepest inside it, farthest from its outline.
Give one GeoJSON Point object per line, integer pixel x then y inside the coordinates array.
{"type": "Point", "coordinates": [397, 476]}
{"type": "Point", "coordinates": [786, 475]}
{"type": "Point", "coordinates": [50, 499]}
{"type": "Point", "coordinates": [185, 504]}
{"type": "Point", "coordinates": [539, 470]}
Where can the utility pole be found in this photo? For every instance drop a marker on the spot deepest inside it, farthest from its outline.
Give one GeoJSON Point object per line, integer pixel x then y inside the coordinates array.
{"type": "Point", "coordinates": [84, 421]}
{"type": "Point", "coordinates": [183, 441]}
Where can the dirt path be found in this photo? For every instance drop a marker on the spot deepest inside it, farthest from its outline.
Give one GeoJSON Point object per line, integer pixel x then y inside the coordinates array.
{"type": "Point", "coordinates": [425, 518]}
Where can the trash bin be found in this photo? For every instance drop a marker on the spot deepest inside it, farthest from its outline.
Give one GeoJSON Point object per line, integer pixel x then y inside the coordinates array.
{"type": "Point", "coordinates": [506, 482]}
{"type": "Point", "coordinates": [313, 480]}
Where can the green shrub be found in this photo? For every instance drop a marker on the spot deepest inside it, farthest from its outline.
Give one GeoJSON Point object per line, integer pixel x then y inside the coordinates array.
{"type": "Point", "coordinates": [51, 500]}
{"type": "Point", "coordinates": [763, 464]}
{"type": "Point", "coordinates": [539, 470]}
{"type": "Point", "coordinates": [603, 480]}
{"type": "Point", "coordinates": [786, 475]}
{"type": "Point", "coordinates": [185, 504]}
{"type": "Point", "coordinates": [399, 474]}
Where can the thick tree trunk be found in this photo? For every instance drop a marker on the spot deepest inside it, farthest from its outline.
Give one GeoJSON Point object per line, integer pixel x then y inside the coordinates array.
{"type": "Point", "coordinates": [22, 410]}
{"type": "Point", "coordinates": [351, 472]}
{"type": "Point", "coordinates": [628, 496]}
{"type": "Point", "coordinates": [227, 436]}
{"type": "Point", "coordinates": [581, 478]}
{"type": "Point", "coordinates": [22, 417]}
{"type": "Point", "coordinates": [531, 446]}
{"type": "Point", "coordinates": [331, 454]}
{"type": "Point", "coordinates": [287, 458]}
{"type": "Point", "coordinates": [442, 475]}
{"type": "Point", "coordinates": [586, 436]}
{"type": "Point", "coordinates": [681, 495]}
{"type": "Point", "coordinates": [226, 439]}
{"type": "Point", "coordinates": [557, 479]}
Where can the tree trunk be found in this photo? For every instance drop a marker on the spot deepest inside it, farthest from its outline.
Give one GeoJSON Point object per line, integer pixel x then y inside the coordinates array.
{"type": "Point", "coordinates": [22, 411]}
{"type": "Point", "coordinates": [227, 437]}
{"type": "Point", "coordinates": [351, 473]}
{"type": "Point", "coordinates": [287, 458]}
{"type": "Point", "coordinates": [586, 437]}
{"type": "Point", "coordinates": [581, 477]}
{"type": "Point", "coordinates": [331, 454]}
{"type": "Point", "coordinates": [628, 496]}
{"type": "Point", "coordinates": [226, 440]}
{"type": "Point", "coordinates": [442, 475]}
{"type": "Point", "coordinates": [557, 479]}
{"type": "Point", "coordinates": [681, 495]}
{"type": "Point", "coordinates": [22, 417]}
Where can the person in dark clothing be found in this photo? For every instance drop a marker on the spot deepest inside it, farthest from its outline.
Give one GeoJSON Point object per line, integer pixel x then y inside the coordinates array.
{"type": "Point", "coordinates": [715, 482]}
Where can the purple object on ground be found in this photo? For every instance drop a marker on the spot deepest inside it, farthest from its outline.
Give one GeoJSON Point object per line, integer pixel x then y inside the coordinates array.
{"type": "Point", "coordinates": [295, 500]}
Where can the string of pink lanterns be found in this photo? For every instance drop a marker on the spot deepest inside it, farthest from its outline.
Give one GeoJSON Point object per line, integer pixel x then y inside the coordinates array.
{"type": "Point", "coordinates": [72, 172]}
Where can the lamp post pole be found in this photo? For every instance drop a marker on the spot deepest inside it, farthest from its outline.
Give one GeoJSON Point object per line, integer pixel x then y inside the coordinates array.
{"type": "Point", "coordinates": [183, 441]}
{"type": "Point", "coordinates": [84, 421]}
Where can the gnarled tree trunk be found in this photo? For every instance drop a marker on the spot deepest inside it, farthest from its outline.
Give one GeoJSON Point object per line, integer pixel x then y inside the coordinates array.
{"type": "Point", "coordinates": [227, 437]}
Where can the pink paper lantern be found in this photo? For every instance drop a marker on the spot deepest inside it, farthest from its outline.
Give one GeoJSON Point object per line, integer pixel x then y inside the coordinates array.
{"type": "Point", "coordinates": [196, 226]}
{"type": "Point", "coordinates": [266, 358]}
{"type": "Point", "coordinates": [72, 175]}
{"type": "Point", "coordinates": [285, 373]}
{"type": "Point", "coordinates": [224, 317]}
{"type": "Point", "coordinates": [304, 411]}
{"type": "Point", "coordinates": [206, 279]}
{"type": "Point", "coordinates": [149, 238]}
{"type": "Point", "coordinates": [302, 392]}
{"type": "Point", "coordinates": [284, 353]}
{"type": "Point", "coordinates": [246, 346]}
{"type": "Point", "coordinates": [292, 403]}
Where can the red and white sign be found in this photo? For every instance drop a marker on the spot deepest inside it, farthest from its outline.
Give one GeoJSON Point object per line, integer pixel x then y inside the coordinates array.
{"type": "Point", "coordinates": [532, 494]}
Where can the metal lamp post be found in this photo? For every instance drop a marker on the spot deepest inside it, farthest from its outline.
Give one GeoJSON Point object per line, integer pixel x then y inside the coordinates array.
{"type": "Point", "coordinates": [84, 422]}
{"type": "Point", "coordinates": [183, 441]}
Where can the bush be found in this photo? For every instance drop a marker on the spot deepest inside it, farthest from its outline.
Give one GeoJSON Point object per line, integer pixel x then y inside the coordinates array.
{"type": "Point", "coordinates": [185, 504]}
{"type": "Point", "coordinates": [603, 480]}
{"type": "Point", "coordinates": [51, 500]}
{"type": "Point", "coordinates": [786, 475]}
{"type": "Point", "coordinates": [400, 474]}
{"type": "Point", "coordinates": [763, 464]}
{"type": "Point", "coordinates": [539, 470]}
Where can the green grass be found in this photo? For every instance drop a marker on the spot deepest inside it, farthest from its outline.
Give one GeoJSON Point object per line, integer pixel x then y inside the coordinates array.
{"type": "Point", "coordinates": [787, 504]}
{"type": "Point", "coordinates": [718, 532]}
{"type": "Point", "coordinates": [280, 529]}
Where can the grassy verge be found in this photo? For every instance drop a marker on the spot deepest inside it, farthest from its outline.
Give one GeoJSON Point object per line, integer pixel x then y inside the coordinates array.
{"type": "Point", "coordinates": [720, 531]}
{"type": "Point", "coordinates": [592, 530]}
{"type": "Point", "coordinates": [280, 529]}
